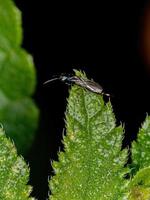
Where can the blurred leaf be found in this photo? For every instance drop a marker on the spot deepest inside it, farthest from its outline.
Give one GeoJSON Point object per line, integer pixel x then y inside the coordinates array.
{"type": "Point", "coordinates": [17, 74]}
{"type": "Point", "coordinates": [14, 173]}
{"type": "Point", "coordinates": [10, 23]}
{"type": "Point", "coordinates": [20, 120]}
{"type": "Point", "coordinates": [92, 166]}
{"type": "Point", "coordinates": [18, 112]}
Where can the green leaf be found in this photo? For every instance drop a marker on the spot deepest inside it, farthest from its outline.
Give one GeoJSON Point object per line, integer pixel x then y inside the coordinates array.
{"type": "Point", "coordinates": [17, 74]}
{"type": "Point", "coordinates": [10, 23]}
{"type": "Point", "coordinates": [18, 112]}
{"type": "Point", "coordinates": [140, 185]}
{"type": "Point", "coordinates": [14, 173]}
{"type": "Point", "coordinates": [141, 147]}
{"type": "Point", "coordinates": [20, 119]}
{"type": "Point", "coordinates": [92, 166]}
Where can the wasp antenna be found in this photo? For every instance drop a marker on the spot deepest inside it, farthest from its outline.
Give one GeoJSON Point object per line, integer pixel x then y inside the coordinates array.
{"type": "Point", "coordinates": [50, 80]}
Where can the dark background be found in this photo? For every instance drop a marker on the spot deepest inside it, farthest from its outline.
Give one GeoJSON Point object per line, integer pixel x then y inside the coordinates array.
{"type": "Point", "coordinates": [103, 40]}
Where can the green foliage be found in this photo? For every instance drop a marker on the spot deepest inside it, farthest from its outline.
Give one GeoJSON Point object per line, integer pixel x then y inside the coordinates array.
{"type": "Point", "coordinates": [10, 23]}
{"type": "Point", "coordinates": [18, 113]}
{"type": "Point", "coordinates": [92, 166]}
{"type": "Point", "coordinates": [141, 147]}
{"type": "Point", "coordinates": [19, 119]}
{"type": "Point", "coordinates": [14, 173]}
{"type": "Point", "coordinates": [140, 185]}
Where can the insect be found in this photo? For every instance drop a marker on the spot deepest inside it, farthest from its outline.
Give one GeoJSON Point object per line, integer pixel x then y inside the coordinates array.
{"type": "Point", "coordinates": [83, 82]}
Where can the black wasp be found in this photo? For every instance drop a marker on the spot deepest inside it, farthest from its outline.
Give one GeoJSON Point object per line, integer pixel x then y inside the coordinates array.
{"type": "Point", "coordinates": [83, 82]}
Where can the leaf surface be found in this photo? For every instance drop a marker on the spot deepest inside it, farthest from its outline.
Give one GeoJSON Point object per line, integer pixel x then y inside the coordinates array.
{"type": "Point", "coordinates": [92, 166]}
{"type": "Point", "coordinates": [14, 173]}
{"type": "Point", "coordinates": [141, 147]}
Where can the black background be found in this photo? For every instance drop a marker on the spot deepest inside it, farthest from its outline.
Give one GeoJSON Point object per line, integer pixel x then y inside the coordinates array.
{"type": "Point", "coordinates": [101, 39]}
